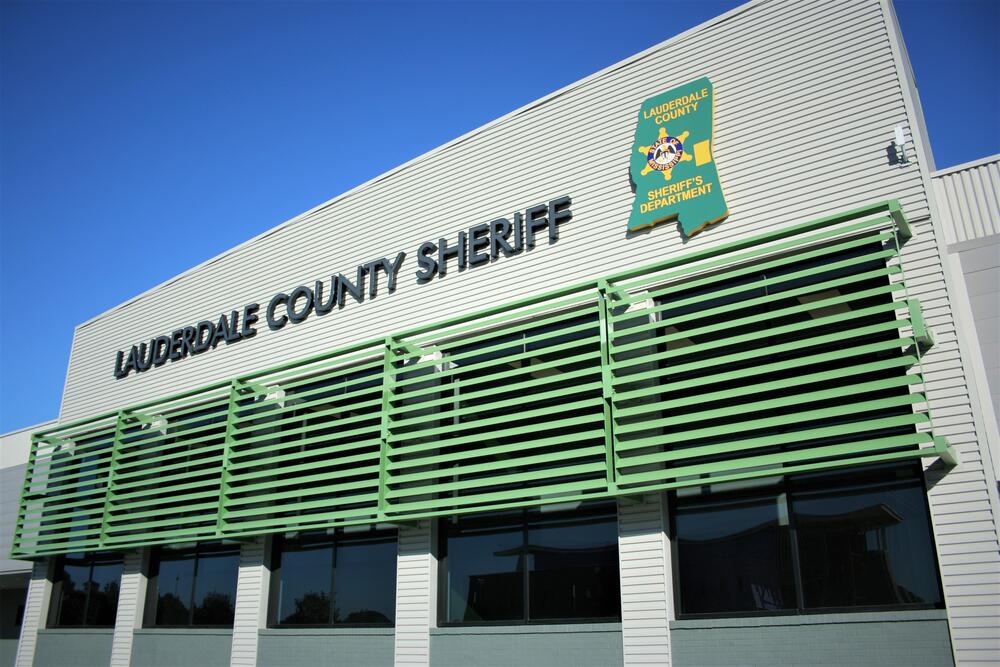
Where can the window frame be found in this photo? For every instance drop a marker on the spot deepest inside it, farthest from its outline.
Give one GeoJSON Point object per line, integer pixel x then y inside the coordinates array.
{"type": "Point", "coordinates": [786, 486]}
{"type": "Point", "coordinates": [441, 553]}
{"type": "Point", "coordinates": [274, 584]}
{"type": "Point", "coordinates": [198, 551]}
{"type": "Point", "coordinates": [92, 558]}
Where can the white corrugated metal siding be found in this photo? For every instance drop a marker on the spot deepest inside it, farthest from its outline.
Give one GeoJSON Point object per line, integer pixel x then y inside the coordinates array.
{"type": "Point", "coordinates": [415, 600]}
{"type": "Point", "coordinates": [969, 199]}
{"type": "Point", "coordinates": [646, 585]}
{"type": "Point", "coordinates": [131, 603]}
{"type": "Point", "coordinates": [251, 603]}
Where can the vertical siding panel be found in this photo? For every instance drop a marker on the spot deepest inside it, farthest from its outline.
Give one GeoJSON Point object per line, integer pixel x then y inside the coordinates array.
{"type": "Point", "coordinates": [416, 606]}
{"type": "Point", "coordinates": [968, 200]}
{"type": "Point", "coordinates": [36, 611]}
{"type": "Point", "coordinates": [251, 603]}
{"type": "Point", "coordinates": [646, 588]}
{"type": "Point", "coordinates": [131, 603]}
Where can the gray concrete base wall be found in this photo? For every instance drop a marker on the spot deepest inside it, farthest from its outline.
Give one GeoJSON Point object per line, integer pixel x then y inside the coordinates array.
{"type": "Point", "coordinates": [65, 647]}
{"type": "Point", "coordinates": [861, 639]}
{"type": "Point", "coordinates": [8, 652]}
{"type": "Point", "coordinates": [579, 645]}
{"type": "Point", "coordinates": [329, 647]}
{"type": "Point", "coordinates": [182, 647]}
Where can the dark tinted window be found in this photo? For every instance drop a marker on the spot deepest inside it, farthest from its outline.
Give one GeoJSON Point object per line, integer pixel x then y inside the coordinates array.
{"type": "Point", "coordinates": [86, 589]}
{"type": "Point", "coordinates": [864, 540]}
{"type": "Point", "coordinates": [573, 565]}
{"type": "Point", "coordinates": [195, 586]}
{"type": "Point", "coordinates": [343, 579]}
{"type": "Point", "coordinates": [485, 569]}
{"type": "Point", "coordinates": [542, 564]}
{"type": "Point", "coordinates": [857, 538]}
{"type": "Point", "coordinates": [733, 554]}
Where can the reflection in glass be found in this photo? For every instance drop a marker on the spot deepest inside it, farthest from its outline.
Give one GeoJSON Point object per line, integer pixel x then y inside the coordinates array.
{"type": "Point", "coordinates": [573, 566]}
{"type": "Point", "coordinates": [532, 565]}
{"type": "Point", "coordinates": [87, 589]}
{"type": "Point", "coordinates": [733, 555]}
{"type": "Point", "coordinates": [865, 542]}
{"type": "Point", "coordinates": [105, 580]}
{"type": "Point", "coordinates": [173, 588]}
{"type": "Point", "coordinates": [365, 580]}
{"type": "Point", "coordinates": [196, 586]}
{"type": "Point", "coordinates": [215, 588]}
{"type": "Point", "coordinates": [342, 579]}
{"type": "Point", "coordinates": [305, 583]}
{"type": "Point", "coordinates": [484, 566]}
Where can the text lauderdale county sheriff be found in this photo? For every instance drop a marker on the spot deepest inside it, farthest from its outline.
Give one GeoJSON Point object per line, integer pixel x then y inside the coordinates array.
{"type": "Point", "coordinates": [479, 245]}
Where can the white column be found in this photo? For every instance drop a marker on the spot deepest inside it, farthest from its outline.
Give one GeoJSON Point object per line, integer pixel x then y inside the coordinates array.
{"type": "Point", "coordinates": [36, 611]}
{"type": "Point", "coordinates": [251, 602]}
{"type": "Point", "coordinates": [131, 606]}
{"type": "Point", "coordinates": [416, 593]}
{"type": "Point", "coordinates": [646, 579]}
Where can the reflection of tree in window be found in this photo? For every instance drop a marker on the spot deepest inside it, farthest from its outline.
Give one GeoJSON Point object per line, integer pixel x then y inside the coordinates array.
{"type": "Point", "coordinates": [85, 589]}
{"type": "Point", "coordinates": [195, 585]}
{"type": "Point", "coordinates": [343, 578]}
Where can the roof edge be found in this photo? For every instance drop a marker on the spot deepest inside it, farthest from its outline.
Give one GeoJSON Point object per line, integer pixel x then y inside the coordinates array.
{"type": "Point", "coordinates": [947, 171]}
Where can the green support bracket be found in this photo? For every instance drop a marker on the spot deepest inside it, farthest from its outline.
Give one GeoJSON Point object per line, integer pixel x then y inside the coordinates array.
{"type": "Point", "coordinates": [607, 389]}
{"type": "Point", "coordinates": [903, 230]}
{"type": "Point", "coordinates": [252, 388]}
{"type": "Point", "coordinates": [106, 512]}
{"type": "Point", "coordinates": [949, 455]}
{"type": "Point", "coordinates": [612, 292]}
{"type": "Point", "coordinates": [234, 395]}
{"type": "Point", "coordinates": [402, 347]}
{"type": "Point", "coordinates": [383, 454]}
{"type": "Point", "coordinates": [921, 333]}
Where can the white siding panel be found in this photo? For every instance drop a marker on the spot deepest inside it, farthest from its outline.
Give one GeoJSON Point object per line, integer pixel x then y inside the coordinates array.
{"type": "Point", "coordinates": [646, 591]}
{"type": "Point", "coordinates": [36, 610]}
{"type": "Point", "coordinates": [251, 603]}
{"type": "Point", "coordinates": [415, 594]}
{"type": "Point", "coordinates": [968, 197]}
{"type": "Point", "coordinates": [131, 604]}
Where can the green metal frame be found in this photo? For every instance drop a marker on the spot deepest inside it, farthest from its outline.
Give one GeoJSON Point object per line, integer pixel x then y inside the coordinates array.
{"type": "Point", "coordinates": [564, 396]}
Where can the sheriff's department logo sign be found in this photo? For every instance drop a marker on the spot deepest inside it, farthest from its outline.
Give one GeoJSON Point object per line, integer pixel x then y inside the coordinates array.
{"type": "Point", "coordinates": [672, 167]}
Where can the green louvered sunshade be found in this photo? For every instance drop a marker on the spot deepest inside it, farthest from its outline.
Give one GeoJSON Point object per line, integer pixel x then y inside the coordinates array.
{"type": "Point", "coordinates": [795, 350]}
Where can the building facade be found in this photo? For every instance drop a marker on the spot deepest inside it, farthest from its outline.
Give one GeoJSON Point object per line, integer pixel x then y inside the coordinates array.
{"type": "Point", "coordinates": [681, 364]}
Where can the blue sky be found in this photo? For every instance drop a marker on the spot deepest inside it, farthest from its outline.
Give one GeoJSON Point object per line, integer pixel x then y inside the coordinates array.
{"type": "Point", "coordinates": [138, 139]}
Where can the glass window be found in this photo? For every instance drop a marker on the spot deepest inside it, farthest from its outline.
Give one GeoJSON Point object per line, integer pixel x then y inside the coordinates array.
{"type": "Point", "coordinates": [484, 577]}
{"type": "Point", "coordinates": [864, 540]}
{"type": "Point", "coordinates": [858, 538]}
{"type": "Point", "coordinates": [734, 554]}
{"type": "Point", "coordinates": [195, 585]}
{"type": "Point", "coordinates": [538, 565]}
{"type": "Point", "coordinates": [86, 589]}
{"type": "Point", "coordinates": [339, 579]}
